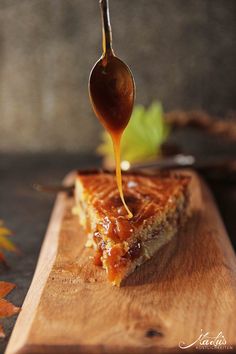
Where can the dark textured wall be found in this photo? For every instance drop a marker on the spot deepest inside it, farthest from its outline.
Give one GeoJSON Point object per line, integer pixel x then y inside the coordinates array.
{"type": "Point", "coordinates": [182, 52]}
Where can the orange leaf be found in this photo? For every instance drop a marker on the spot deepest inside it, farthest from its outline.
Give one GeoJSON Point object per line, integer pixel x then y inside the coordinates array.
{"type": "Point", "coordinates": [5, 288]}
{"type": "Point", "coordinates": [7, 309]}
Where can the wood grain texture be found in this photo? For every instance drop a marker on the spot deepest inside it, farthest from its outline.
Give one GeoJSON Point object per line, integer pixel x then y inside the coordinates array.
{"type": "Point", "coordinates": [189, 285]}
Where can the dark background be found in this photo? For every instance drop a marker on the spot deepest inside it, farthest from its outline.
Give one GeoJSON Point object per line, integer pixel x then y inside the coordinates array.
{"type": "Point", "coordinates": [181, 52]}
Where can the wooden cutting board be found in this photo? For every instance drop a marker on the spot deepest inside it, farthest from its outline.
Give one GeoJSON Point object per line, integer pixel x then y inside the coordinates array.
{"type": "Point", "coordinates": [189, 286]}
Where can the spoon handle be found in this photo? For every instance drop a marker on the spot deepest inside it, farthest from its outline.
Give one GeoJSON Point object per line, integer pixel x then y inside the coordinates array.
{"type": "Point", "coordinates": [106, 28]}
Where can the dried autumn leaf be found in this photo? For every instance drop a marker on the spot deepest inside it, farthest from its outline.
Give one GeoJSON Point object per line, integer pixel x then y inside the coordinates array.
{"type": "Point", "coordinates": [7, 309]}
{"type": "Point", "coordinates": [5, 243]}
{"type": "Point", "coordinates": [5, 288]}
{"type": "Point", "coordinates": [4, 231]}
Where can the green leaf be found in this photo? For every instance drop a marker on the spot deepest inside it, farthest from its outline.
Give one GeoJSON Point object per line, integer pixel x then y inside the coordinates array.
{"type": "Point", "coordinates": [143, 136]}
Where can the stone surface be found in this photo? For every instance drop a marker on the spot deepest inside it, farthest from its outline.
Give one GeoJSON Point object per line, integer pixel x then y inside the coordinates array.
{"type": "Point", "coordinates": [181, 52]}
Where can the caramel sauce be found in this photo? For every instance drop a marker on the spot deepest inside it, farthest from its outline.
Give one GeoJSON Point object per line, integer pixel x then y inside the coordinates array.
{"type": "Point", "coordinates": [112, 90]}
{"type": "Point", "coordinates": [97, 258]}
{"type": "Point", "coordinates": [147, 197]}
{"type": "Point", "coordinates": [117, 262]}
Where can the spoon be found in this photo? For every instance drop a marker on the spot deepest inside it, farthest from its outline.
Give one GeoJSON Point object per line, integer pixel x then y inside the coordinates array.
{"type": "Point", "coordinates": [112, 92]}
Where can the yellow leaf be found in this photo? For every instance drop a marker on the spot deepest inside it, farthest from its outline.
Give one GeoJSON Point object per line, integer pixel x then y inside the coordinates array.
{"type": "Point", "coordinates": [4, 231]}
{"type": "Point", "coordinates": [7, 244]}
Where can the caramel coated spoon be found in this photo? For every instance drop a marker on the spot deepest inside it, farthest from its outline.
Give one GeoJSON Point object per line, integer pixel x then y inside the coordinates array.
{"type": "Point", "coordinates": [112, 92]}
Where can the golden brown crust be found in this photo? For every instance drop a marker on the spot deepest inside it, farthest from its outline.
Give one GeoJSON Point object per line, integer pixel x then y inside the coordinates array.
{"type": "Point", "coordinates": [147, 197]}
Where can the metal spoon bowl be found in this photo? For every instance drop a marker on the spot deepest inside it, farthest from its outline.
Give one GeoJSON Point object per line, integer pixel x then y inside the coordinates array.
{"type": "Point", "coordinates": [111, 83]}
{"type": "Point", "coordinates": [112, 91]}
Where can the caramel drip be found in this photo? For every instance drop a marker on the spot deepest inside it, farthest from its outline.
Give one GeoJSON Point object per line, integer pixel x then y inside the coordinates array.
{"type": "Point", "coordinates": [116, 138]}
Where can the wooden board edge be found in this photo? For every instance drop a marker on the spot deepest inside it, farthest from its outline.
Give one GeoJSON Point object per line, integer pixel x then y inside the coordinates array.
{"type": "Point", "coordinates": [44, 265]}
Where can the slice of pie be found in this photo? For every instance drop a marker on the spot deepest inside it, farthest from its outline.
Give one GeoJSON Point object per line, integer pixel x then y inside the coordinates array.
{"type": "Point", "coordinates": [158, 204]}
